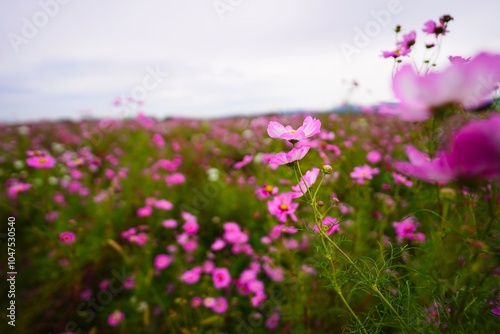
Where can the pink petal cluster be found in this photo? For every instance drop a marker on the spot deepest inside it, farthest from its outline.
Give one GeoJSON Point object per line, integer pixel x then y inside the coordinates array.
{"type": "Point", "coordinates": [162, 261]}
{"type": "Point", "coordinates": [407, 230]}
{"type": "Point", "coordinates": [282, 206]}
{"type": "Point", "coordinates": [221, 278]}
{"type": "Point", "coordinates": [45, 161]}
{"type": "Point", "coordinates": [467, 84]}
{"type": "Point", "coordinates": [116, 318]}
{"type": "Point", "coordinates": [474, 153]}
{"type": "Point", "coordinates": [362, 173]}
{"type": "Point", "coordinates": [67, 237]}
{"type": "Point", "coordinates": [295, 154]}
{"type": "Point", "coordinates": [309, 178]}
{"type": "Point", "coordinates": [310, 127]}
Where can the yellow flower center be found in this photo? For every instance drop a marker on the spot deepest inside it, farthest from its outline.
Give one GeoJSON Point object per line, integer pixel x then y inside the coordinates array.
{"type": "Point", "coordinates": [283, 207]}
{"type": "Point", "coordinates": [269, 189]}
{"type": "Point", "coordinates": [42, 160]}
{"type": "Point", "coordinates": [292, 131]}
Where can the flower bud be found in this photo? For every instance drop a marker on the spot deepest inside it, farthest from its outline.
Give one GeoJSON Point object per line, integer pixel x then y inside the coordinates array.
{"type": "Point", "coordinates": [320, 203]}
{"type": "Point", "coordinates": [447, 194]}
{"type": "Point", "coordinates": [327, 169]}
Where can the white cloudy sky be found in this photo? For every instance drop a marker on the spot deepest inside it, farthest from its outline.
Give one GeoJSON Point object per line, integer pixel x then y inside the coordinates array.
{"type": "Point", "coordinates": [262, 55]}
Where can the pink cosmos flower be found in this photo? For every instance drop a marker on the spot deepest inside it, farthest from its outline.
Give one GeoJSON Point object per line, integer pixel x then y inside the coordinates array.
{"type": "Point", "coordinates": [458, 60]}
{"type": "Point", "coordinates": [246, 160]}
{"type": "Point", "coordinates": [116, 318]}
{"type": "Point", "coordinates": [196, 302]}
{"type": "Point", "coordinates": [295, 154]}
{"type": "Point", "coordinates": [266, 191]}
{"type": "Point", "coordinates": [67, 237]}
{"type": "Point", "coordinates": [145, 211]}
{"type": "Point", "coordinates": [17, 188]}
{"type": "Point", "coordinates": [362, 173]}
{"type": "Point", "coordinates": [408, 41]}
{"type": "Point", "coordinates": [158, 140]}
{"type": "Point", "coordinates": [163, 204]}
{"type": "Point", "coordinates": [220, 305]}
{"type": "Point", "coordinates": [218, 244]}
{"type": "Point", "coordinates": [310, 178]}
{"type": "Point", "coordinates": [374, 157]}
{"type": "Point", "coordinates": [190, 227]}
{"type": "Point", "coordinates": [282, 206]}
{"type": "Point", "coordinates": [191, 276]}
{"type": "Point", "coordinates": [41, 161]}
{"type": "Point", "coordinates": [169, 223]}
{"type": "Point", "coordinates": [474, 153]}
{"type": "Point", "coordinates": [162, 261]}
{"type": "Point", "coordinates": [466, 84]}
{"type": "Point", "coordinates": [406, 230]}
{"type": "Point", "coordinates": [310, 127]}
{"type": "Point", "coordinates": [221, 278]}
{"type": "Point", "coordinates": [330, 225]}
{"type": "Point", "coordinates": [273, 321]}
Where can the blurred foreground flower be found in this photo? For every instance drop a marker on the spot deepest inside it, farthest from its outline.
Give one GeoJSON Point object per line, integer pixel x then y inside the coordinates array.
{"type": "Point", "coordinates": [474, 153]}
{"type": "Point", "coordinates": [468, 84]}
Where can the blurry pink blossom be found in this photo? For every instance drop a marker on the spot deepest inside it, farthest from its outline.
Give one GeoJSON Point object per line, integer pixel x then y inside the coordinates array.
{"type": "Point", "coordinates": [310, 127]}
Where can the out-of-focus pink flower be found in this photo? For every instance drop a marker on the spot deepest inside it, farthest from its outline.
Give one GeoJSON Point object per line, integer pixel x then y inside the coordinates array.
{"type": "Point", "coordinates": [246, 160]}
{"type": "Point", "coordinates": [266, 191]}
{"type": "Point", "coordinates": [169, 223]}
{"type": "Point", "coordinates": [408, 41]}
{"type": "Point", "coordinates": [362, 173]}
{"type": "Point", "coordinates": [190, 227]}
{"type": "Point", "coordinates": [407, 230]}
{"type": "Point", "coordinates": [474, 153]}
{"type": "Point", "coordinates": [220, 305]}
{"type": "Point", "coordinates": [273, 321]}
{"type": "Point", "coordinates": [116, 318]}
{"type": "Point", "coordinates": [67, 237]}
{"type": "Point", "coordinates": [163, 204]}
{"type": "Point", "coordinates": [162, 261]}
{"type": "Point", "coordinates": [145, 211]}
{"type": "Point", "coordinates": [310, 178]}
{"type": "Point", "coordinates": [295, 154]}
{"type": "Point", "coordinates": [41, 161]}
{"type": "Point", "coordinates": [329, 225]}
{"type": "Point", "coordinates": [191, 276]}
{"type": "Point", "coordinates": [218, 244]}
{"type": "Point", "coordinates": [196, 302]}
{"type": "Point", "coordinates": [310, 127]}
{"type": "Point", "coordinates": [466, 84]}
{"type": "Point", "coordinates": [374, 157]}
{"type": "Point", "coordinates": [158, 140]}
{"type": "Point", "coordinates": [221, 278]}
{"type": "Point", "coordinates": [176, 178]}
{"type": "Point", "coordinates": [282, 206]}
{"type": "Point", "coordinates": [17, 188]}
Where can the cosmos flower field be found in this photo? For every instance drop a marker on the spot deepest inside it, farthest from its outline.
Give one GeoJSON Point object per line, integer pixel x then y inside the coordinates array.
{"type": "Point", "coordinates": [385, 221]}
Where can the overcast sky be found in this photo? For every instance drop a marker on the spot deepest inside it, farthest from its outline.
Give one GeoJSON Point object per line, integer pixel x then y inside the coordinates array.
{"type": "Point", "coordinates": [204, 58]}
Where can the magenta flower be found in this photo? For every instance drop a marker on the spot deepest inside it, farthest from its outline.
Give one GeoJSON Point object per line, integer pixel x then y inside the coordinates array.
{"type": "Point", "coordinates": [116, 318]}
{"type": "Point", "coordinates": [162, 261]}
{"type": "Point", "coordinates": [220, 305]}
{"type": "Point", "coordinates": [221, 278]}
{"type": "Point", "coordinates": [144, 211]}
{"type": "Point", "coordinates": [310, 127]}
{"type": "Point", "coordinates": [374, 157]}
{"type": "Point", "coordinates": [41, 161]}
{"type": "Point", "coordinates": [407, 230]}
{"type": "Point", "coordinates": [191, 276]}
{"type": "Point", "coordinates": [17, 188]}
{"type": "Point", "coordinates": [282, 206]}
{"type": "Point", "coordinates": [362, 173]}
{"type": "Point", "coordinates": [310, 178]}
{"type": "Point", "coordinates": [474, 153]}
{"type": "Point", "coordinates": [466, 84]}
{"type": "Point", "coordinates": [407, 42]}
{"type": "Point", "coordinates": [163, 204]}
{"type": "Point", "coordinates": [329, 225]}
{"type": "Point", "coordinates": [295, 154]}
{"type": "Point", "coordinates": [67, 237]}
{"type": "Point", "coordinates": [266, 191]}
{"type": "Point", "coordinates": [246, 160]}
{"type": "Point", "coordinates": [190, 227]}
